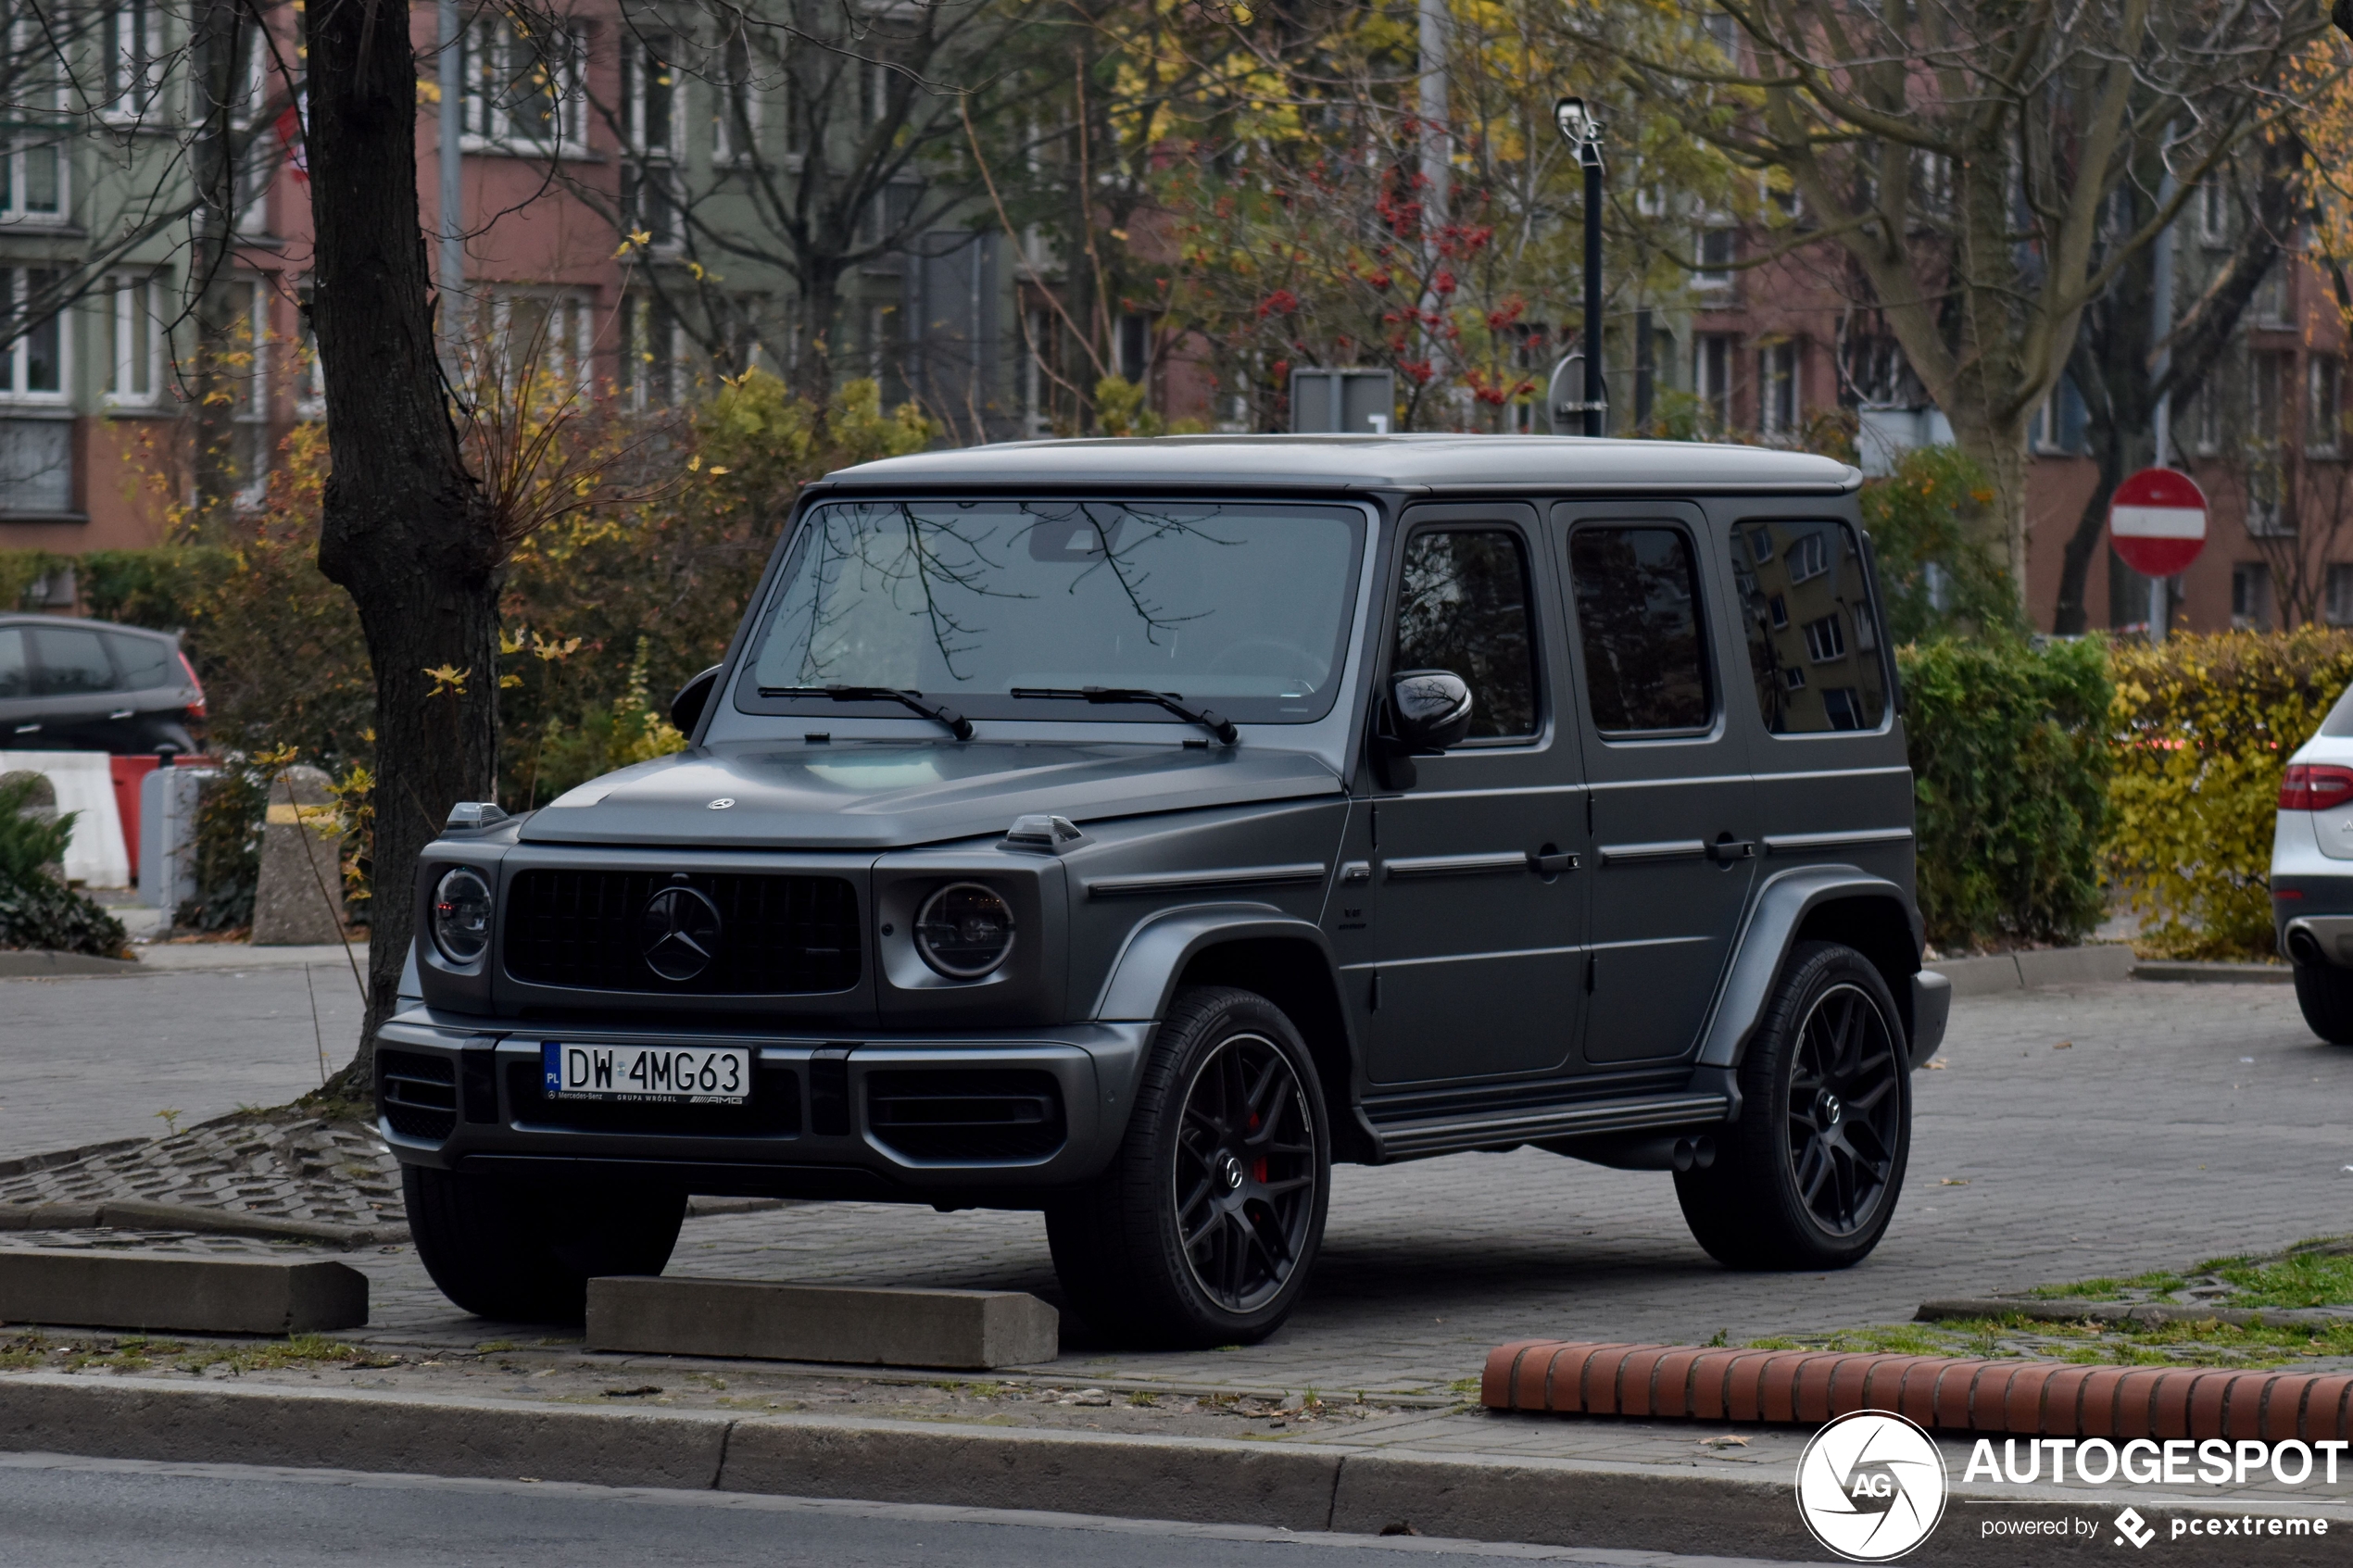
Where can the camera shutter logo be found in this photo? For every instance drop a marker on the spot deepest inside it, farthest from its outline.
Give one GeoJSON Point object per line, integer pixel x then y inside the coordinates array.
{"type": "Point", "coordinates": [1870, 1486]}
{"type": "Point", "coordinates": [679, 931]}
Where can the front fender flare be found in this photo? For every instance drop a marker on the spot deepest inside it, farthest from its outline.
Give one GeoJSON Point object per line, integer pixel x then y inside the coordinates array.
{"type": "Point", "coordinates": [1143, 977]}
{"type": "Point", "coordinates": [1764, 944]}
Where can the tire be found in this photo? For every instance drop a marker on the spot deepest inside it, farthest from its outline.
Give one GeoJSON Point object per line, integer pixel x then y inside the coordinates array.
{"type": "Point", "coordinates": [1809, 1177]}
{"type": "Point", "coordinates": [523, 1253]}
{"type": "Point", "coordinates": [1227, 1143]}
{"type": "Point", "coordinates": [2325, 994]}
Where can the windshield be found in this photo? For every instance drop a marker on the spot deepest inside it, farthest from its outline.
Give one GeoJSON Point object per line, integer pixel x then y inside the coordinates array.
{"type": "Point", "coordinates": [1239, 606]}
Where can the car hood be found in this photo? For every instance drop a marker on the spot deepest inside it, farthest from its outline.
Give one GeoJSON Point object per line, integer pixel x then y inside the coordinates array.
{"type": "Point", "coordinates": [881, 796]}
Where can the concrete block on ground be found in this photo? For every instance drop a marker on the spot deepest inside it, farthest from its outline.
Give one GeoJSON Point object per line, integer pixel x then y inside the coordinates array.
{"type": "Point", "coordinates": [2215, 973]}
{"type": "Point", "coordinates": [1979, 977]}
{"type": "Point", "coordinates": [2094, 964]}
{"type": "Point", "coordinates": [299, 898]}
{"type": "Point", "coordinates": [154, 1292]}
{"type": "Point", "coordinates": [32, 963]}
{"type": "Point", "coordinates": [977, 1329]}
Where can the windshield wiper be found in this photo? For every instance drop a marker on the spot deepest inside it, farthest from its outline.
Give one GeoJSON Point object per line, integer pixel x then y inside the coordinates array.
{"type": "Point", "coordinates": [1221, 727]}
{"type": "Point", "coordinates": [914, 701]}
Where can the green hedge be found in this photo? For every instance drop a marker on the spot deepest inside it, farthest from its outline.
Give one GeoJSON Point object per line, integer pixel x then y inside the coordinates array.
{"type": "Point", "coordinates": [2010, 768]}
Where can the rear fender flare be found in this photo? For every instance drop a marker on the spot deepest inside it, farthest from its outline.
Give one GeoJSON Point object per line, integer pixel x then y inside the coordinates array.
{"type": "Point", "coordinates": [1772, 931]}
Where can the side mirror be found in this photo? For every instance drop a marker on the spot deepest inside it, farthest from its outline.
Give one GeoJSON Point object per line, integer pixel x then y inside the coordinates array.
{"type": "Point", "coordinates": [1432, 709]}
{"type": "Point", "coordinates": [686, 709]}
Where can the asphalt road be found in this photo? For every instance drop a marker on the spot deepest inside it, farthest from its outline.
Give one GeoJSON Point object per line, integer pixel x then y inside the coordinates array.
{"type": "Point", "coordinates": [84, 1061]}
{"type": "Point", "coordinates": [63, 1512]}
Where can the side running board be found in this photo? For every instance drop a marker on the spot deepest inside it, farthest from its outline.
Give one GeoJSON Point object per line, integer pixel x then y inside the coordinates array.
{"type": "Point", "coordinates": [1409, 1140]}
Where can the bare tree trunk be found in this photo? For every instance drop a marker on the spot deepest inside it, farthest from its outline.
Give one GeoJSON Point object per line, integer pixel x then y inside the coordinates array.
{"type": "Point", "coordinates": [405, 530]}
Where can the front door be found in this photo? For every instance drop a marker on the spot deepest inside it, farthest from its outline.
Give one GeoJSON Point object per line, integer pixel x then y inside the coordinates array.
{"type": "Point", "coordinates": [1479, 917]}
{"type": "Point", "coordinates": [1675, 827]}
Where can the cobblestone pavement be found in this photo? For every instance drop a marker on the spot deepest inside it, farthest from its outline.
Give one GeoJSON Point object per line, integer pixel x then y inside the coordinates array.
{"type": "Point", "coordinates": [88, 1059]}
{"type": "Point", "coordinates": [287, 1165]}
{"type": "Point", "coordinates": [2099, 1130]}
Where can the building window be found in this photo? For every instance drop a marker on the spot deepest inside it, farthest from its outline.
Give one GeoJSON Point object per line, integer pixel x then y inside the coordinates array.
{"type": "Point", "coordinates": [2214, 204]}
{"type": "Point", "coordinates": [1135, 347]}
{"type": "Point", "coordinates": [2205, 418]}
{"type": "Point", "coordinates": [649, 90]}
{"type": "Point", "coordinates": [1809, 556]}
{"type": "Point", "coordinates": [1825, 639]}
{"type": "Point", "coordinates": [551, 335]}
{"type": "Point", "coordinates": [2323, 406]}
{"type": "Point", "coordinates": [1723, 31]}
{"type": "Point", "coordinates": [242, 309]}
{"type": "Point", "coordinates": [130, 46]}
{"type": "Point", "coordinates": [649, 206]}
{"type": "Point", "coordinates": [310, 373]}
{"type": "Point", "coordinates": [524, 87]}
{"type": "Point", "coordinates": [2272, 297]}
{"type": "Point", "coordinates": [1777, 389]}
{"type": "Point", "coordinates": [2250, 597]}
{"type": "Point", "coordinates": [1719, 248]}
{"type": "Point", "coordinates": [735, 109]}
{"type": "Point", "coordinates": [2265, 371]}
{"type": "Point", "coordinates": [36, 466]}
{"type": "Point", "coordinates": [2337, 606]}
{"type": "Point", "coordinates": [1712, 376]}
{"type": "Point", "coordinates": [650, 359]}
{"type": "Point", "coordinates": [33, 367]}
{"type": "Point", "coordinates": [134, 343]}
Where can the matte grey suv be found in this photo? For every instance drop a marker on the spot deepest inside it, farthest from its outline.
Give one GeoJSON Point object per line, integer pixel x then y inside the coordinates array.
{"type": "Point", "coordinates": [1130, 830]}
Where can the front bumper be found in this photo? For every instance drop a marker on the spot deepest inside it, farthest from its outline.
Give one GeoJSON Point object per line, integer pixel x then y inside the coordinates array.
{"type": "Point", "coordinates": [823, 1120]}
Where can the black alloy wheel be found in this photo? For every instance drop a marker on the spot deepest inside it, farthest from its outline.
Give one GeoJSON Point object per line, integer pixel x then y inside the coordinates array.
{"type": "Point", "coordinates": [1244, 1173]}
{"type": "Point", "coordinates": [1808, 1175]}
{"type": "Point", "coordinates": [1203, 1228]}
{"type": "Point", "coordinates": [1846, 1099]}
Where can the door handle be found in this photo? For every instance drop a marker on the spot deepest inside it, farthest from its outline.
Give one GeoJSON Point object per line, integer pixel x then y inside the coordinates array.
{"type": "Point", "coordinates": [1727, 849]}
{"type": "Point", "coordinates": [119, 713]}
{"type": "Point", "coordinates": [1550, 865]}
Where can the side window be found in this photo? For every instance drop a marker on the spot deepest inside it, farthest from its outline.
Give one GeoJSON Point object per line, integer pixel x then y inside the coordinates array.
{"type": "Point", "coordinates": [1813, 643]}
{"type": "Point", "coordinates": [1637, 613]}
{"type": "Point", "coordinates": [16, 674]}
{"type": "Point", "coordinates": [145, 662]}
{"type": "Point", "coordinates": [73, 662]}
{"type": "Point", "coordinates": [1463, 606]}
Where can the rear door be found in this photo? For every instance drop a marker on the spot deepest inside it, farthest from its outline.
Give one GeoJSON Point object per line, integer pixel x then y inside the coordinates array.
{"type": "Point", "coordinates": [76, 685]}
{"type": "Point", "coordinates": [1675, 827]}
{"type": "Point", "coordinates": [1479, 947]}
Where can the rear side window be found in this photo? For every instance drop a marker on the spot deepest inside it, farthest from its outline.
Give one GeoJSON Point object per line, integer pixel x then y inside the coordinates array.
{"type": "Point", "coordinates": [16, 673]}
{"type": "Point", "coordinates": [1463, 606]}
{"type": "Point", "coordinates": [1637, 618]}
{"type": "Point", "coordinates": [73, 661]}
{"type": "Point", "coordinates": [145, 662]}
{"type": "Point", "coordinates": [1813, 639]}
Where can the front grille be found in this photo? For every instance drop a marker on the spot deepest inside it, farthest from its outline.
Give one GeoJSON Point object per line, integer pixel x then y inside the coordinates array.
{"type": "Point", "coordinates": [416, 1094]}
{"type": "Point", "coordinates": [778, 936]}
{"type": "Point", "coordinates": [966, 1114]}
{"type": "Point", "coordinates": [773, 1109]}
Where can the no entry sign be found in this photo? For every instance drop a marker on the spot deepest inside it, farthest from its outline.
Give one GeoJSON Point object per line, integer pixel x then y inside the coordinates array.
{"type": "Point", "coordinates": [2158, 522]}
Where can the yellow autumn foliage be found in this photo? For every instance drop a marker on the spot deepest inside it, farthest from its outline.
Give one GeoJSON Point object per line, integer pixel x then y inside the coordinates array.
{"type": "Point", "coordinates": [2202, 728]}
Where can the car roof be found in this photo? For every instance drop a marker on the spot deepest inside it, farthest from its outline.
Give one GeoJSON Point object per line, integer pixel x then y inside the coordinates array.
{"type": "Point", "coordinates": [33, 618]}
{"type": "Point", "coordinates": [1485, 463]}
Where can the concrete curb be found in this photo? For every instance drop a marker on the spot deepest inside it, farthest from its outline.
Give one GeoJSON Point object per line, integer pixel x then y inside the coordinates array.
{"type": "Point", "coordinates": [2215, 973]}
{"type": "Point", "coordinates": [32, 963]}
{"type": "Point", "coordinates": [2099, 963]}
{"type": "Point", "coordinates": [137, 1214]}
{"type": "Point", "coordinates": [2126, 1312]}
{"type": "Point", "coordinates": [1300, 1487]}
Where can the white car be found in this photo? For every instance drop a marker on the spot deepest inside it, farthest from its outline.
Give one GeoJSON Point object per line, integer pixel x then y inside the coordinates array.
{"type": "Point", "coordinates": [2312, 874]}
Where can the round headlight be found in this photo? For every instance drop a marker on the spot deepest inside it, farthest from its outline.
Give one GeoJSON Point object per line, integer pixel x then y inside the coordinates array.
{"type": "Point", "coordinates": [965, 931]}
{"type": "Point", "coordinates": [461, 916]}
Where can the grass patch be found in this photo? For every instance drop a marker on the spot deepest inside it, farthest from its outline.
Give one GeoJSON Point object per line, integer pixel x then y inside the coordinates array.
{"type": "Point", "coordinates": [2300, 1279]}
{"type": "Point", "coordinates": [2160, 1285]}
{"type": "Point", "coordinates": [2206, 1342]}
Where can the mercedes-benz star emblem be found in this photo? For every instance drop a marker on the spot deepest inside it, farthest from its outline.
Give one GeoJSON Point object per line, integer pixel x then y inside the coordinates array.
{"type": "Point", "coordinates": [679, 933]}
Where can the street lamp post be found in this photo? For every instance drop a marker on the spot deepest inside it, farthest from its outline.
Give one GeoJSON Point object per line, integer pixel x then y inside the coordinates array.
{"type": "Point", "coordinates": [1583, 132]}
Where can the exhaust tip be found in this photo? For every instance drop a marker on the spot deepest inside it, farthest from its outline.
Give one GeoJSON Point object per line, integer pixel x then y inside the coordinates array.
{"type": "Point", "coordinates": [2302, 947]}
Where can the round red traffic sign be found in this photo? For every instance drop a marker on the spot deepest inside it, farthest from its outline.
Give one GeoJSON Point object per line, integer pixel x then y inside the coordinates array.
{"type": "Point", "coordinates": [2158, 522]}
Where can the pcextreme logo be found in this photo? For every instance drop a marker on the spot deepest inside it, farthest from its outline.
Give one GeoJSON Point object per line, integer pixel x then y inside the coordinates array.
{"type": "Point", "coordinates": [1870, 1486]}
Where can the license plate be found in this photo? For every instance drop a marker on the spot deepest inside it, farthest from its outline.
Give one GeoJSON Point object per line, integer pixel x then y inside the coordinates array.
{"type": "Point", "coordinates": [655, 1074]}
